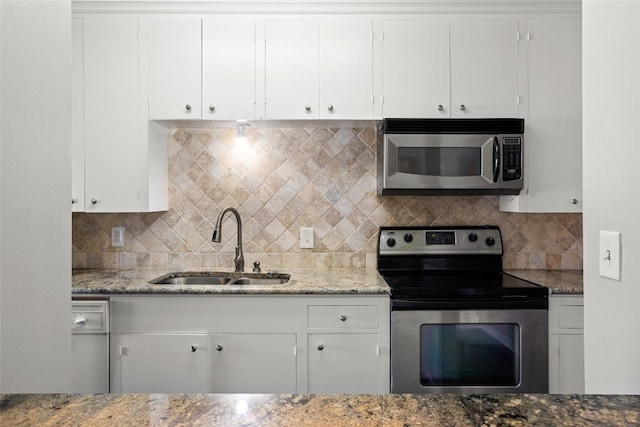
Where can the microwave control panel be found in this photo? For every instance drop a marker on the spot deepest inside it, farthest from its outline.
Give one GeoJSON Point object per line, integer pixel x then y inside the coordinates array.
{"type": "Point", "coordinates": [511, 158]}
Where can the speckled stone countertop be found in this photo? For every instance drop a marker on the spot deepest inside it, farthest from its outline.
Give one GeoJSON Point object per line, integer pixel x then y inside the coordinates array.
{"type": "Point", "coordinates": [558, 281]}
{"type": "Point", "coordinates": [302, 281]}
{"type": "Point", "coordinates": [318, 410]}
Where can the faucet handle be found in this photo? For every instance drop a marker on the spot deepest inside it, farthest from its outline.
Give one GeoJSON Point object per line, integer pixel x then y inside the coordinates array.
{"type": "Point", "coordinates": [256, 267]}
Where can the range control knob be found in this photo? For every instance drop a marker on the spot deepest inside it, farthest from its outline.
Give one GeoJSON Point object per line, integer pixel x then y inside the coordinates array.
{"type": "Point", "coordinates": [408, 238]}
{"type": "Point", "coordinates": [473, 237]}
{"type": "Point", "coordinates": [490, 241]}
{"type": "Point", "coordinates": [391, 242]}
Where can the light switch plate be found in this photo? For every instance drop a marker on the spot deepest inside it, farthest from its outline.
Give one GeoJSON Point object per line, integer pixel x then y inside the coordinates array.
{"type": "Point", "coordinates": [306, 238]}
{"type": "Point", "coordinates": [610, 254]}
{"type": "Point", "coordinates": [117, 236]}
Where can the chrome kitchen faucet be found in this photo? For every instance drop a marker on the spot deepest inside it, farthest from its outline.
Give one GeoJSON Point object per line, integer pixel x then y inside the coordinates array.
{"type": "Point", "coordinates": [217, 237]}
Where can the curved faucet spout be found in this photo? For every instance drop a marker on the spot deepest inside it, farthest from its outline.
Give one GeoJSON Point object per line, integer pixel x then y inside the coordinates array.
{"type": "Point", "coordinates": [217, 236]}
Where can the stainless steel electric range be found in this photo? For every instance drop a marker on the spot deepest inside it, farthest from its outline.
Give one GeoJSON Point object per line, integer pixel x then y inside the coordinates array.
{"type": "Point", "coordinates": [459, 324]}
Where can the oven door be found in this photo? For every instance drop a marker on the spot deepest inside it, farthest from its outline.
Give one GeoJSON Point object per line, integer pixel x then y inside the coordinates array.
{"type": "Point", "coordinates": [441, 162]}
{"type": "Point", "coordinates": [469, 351]}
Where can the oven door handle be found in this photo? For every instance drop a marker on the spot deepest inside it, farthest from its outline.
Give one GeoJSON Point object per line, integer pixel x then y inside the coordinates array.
{"type": "Point", "coordinates": [502, 303]}
{"type": "Point", "coordinates": [496, 159]}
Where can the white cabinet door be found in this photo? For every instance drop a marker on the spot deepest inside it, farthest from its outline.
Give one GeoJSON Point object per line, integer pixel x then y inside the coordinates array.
{"type": "Point", "coordinates": [415, 68]}
{"type": "Point", "coordinates": [342, 363]}
{"type": "Point", "coordinates": [228, 69]}
{"type": "Point", "coordinates": [566, 344]}
{"type": "Point", "coordinates": [291, 70]}
{"type": "Point", "coordinates": [174, 68]}
{"type": "Point", "coordinates": [112, 121]}
{"type": "Point", "coordinates": [484, 68]}
{"type": "Point", "coordinates": [253, 363]}
{"type": "Point", "coordinates": [160, 363]}
{"type": "Point", "coordinates": [346, 64]}
{"type": "Point", "coordinates": [77, 118]}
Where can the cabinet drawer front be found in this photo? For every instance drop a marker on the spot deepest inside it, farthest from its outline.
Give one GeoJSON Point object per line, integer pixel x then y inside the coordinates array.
{"type": "Point", "coordinates": [343, 316]}
{"type": "Point", "coordinates": [571, 317]}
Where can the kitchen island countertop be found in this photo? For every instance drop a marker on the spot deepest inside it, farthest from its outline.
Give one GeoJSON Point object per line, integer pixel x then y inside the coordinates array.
{"type": "Point", "coordinates": [302, 281]}
{"type": "Point", "coordinates": [319, 410]}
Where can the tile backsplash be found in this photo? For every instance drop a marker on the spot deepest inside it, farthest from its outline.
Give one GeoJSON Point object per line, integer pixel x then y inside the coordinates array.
{"type": "Point", "coordinates": [284, 179]}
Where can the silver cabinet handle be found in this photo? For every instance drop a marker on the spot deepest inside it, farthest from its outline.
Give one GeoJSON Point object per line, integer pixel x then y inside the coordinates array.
{"type": "Point", "coordinates": [188, 106]}
{"type": "Point", "coordinates": [330, 107]}
{"type": "Point", "coordinates": [307, 107]}
{"type": "Point", "coordinates": [574, 201]}
{"type": "Point", "coordinates": [212, 107]}
{"type": "Point", "coordinates": [219, 347]}
{"type": "Point", "coordinates": [193, 348]}
{"type": "Point", "coordinates": [440, 107]}
{"type": "Point", "coordinates": [321, 347]}
{"type": "Point", "coordinates": [80, 321]}
{"type": "Point", "coordinates": [94, 201]}
{"type": "Point", "coordinates": [343, 317]}
{"type": "Point", "coordinates": [462, 107]}
{"type": "Point", "coordinates": [74, 201]}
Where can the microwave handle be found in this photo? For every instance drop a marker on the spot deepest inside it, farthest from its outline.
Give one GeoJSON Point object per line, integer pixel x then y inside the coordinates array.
{"type": "Point", "coordinates": [496, 159]}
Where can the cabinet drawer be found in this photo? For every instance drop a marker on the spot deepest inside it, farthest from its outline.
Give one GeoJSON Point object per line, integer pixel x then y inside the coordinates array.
{"type": "Point", "coordinates": [571, 317]}
{"type": "Point", "coordinates": [342, 316]}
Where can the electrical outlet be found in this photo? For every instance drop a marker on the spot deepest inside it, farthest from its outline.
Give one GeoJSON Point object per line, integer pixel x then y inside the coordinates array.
{"type": "Point", "coordinates": [306, 238]}
{"type": "Point", "coordinates": [117, 236]}
{"type": "Point", "coordinates": [610, 254]}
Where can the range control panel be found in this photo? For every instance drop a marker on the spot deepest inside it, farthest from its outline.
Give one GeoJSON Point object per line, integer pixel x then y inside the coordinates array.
{"type": "Point", "coordinates": [485, 240]}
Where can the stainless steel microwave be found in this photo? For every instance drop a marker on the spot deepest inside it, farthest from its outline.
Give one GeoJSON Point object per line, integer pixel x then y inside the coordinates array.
{"type": "Point", "coordinates": [450, 156]}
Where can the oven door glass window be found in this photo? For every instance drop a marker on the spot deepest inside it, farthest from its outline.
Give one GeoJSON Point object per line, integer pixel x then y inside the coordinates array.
{"type": "Point", "coordinates": [477, 354]}
{"type": "Point", "coordinates": [440, 161]}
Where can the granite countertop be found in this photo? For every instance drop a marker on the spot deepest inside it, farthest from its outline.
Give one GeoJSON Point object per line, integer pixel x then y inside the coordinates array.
{"type": "Point", "coordinates": [558, 281]}
{"type": "Point", "coordinates": [305, 410]}
{"type": "Point", "coordinates": [302, 281]}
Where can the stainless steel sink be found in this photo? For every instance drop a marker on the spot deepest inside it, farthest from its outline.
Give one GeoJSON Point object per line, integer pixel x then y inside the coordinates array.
{"type": "Point", "coordinates": [220, 278]}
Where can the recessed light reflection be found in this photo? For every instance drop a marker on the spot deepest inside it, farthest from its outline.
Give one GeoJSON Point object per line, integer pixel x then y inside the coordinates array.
{"type": "Point", "coordinates": [242, 407]}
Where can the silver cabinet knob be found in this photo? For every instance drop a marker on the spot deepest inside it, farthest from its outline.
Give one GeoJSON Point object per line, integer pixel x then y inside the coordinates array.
{"type": "Point", "coordinates": [462, 107]}
{"type": "Point", "coordinates": [440, 107]}
{"type": "Point", "coordinates": [330, 107]}
{"type": "Point", "coordinates": [188, 107]}
{"type": "Point", "coordinates": [321, 347]}
{"type": "Point", "coordinates": [74, 201]}
{"type": "Point", "coordinates": [94, 201]}
{"type": "Point", "coordinates": [307, 107]}
{"type": "Point", "coordinates": [212, 107]}
{"type": "Point", "coordinates": [219, 347]}
{"type": "Point", "coordinates": [193, 348]}
{"type": "Point", "coordinates": [574, 201]}
{"type": "Point", "coordinates": [80, 321]}
{"type": "Point", "coordinates": [343, 317]}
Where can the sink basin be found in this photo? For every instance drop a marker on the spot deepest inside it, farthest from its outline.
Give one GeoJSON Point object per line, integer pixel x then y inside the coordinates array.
{"type": "Point", "coordinates": [220, 278]}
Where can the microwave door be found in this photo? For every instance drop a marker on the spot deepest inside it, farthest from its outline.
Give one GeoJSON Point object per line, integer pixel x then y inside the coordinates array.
{"type": "Point", "coordinates": [440, 162]}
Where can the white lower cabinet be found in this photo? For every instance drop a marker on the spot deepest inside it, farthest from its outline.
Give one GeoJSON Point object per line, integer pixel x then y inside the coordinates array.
{"type": "Point", "coordinates": [253, 363]}
{"type": "Point", "coordinates": [342, 363]}
{"type": "Point", "coordinates": [250, 344]}
{"type": "Point", "coordinates": [566, 344]}
{"type": "Point", "coordinates": [160, 363]}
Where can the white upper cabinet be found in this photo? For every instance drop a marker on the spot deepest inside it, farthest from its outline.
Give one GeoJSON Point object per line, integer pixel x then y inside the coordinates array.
{"type": "Point", "coordinates": [291, 69]}
{"type": "Point", "coordinates": [450, 68]}
{"type": "Point", "coordinates": [77, 118]}
{"type": "Point", "coordinates": [228, 69]}
{"type": "Point", "coordinates": [484, 67]}
{"type": "Point", "coordinates": [553, 125]}
{"type": "Point", "coordinates": [319, 69]}
{"type": "Point", "coordinates": [346, 64]}
{"type": "Point", "coordinates": [124, 165]}
{"type": "Point", "coordinates": [174, 68]}
{"type": "Point", "coordinates": [415, 68]}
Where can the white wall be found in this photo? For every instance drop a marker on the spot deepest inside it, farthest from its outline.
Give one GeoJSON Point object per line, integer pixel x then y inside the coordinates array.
{"type": "Point", "coordinates": [35, 188]}
{"type": "Point", "coordinates": [611, 160]}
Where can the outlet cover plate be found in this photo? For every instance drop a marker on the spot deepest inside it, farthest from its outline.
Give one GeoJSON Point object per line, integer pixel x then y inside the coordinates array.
{"type": "Point", "coordinates": [306, 238]}
{"type": "Point", "coordinates": [117, 237]}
